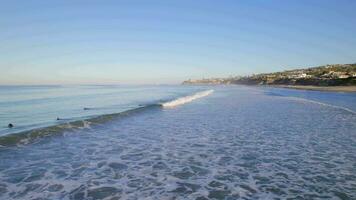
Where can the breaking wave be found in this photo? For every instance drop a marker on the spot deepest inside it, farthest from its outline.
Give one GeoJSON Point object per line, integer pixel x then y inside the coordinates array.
{"type": "Point", "coordinates": [34, 134]}
{"type": "Point", "coordinates": [186, 99]}
{"type": "Point", "coordinates": [31, 135]}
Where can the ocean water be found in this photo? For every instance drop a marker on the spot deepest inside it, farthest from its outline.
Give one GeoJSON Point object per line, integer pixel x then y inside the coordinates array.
{"type": "Point", "coordinates": [30, 107]}
{"type": "Point", "coordinates": [217, 142]}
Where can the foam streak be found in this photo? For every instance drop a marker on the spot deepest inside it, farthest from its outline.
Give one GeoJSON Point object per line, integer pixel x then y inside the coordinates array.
{"type": "Point", "coordinates": [322, 104]}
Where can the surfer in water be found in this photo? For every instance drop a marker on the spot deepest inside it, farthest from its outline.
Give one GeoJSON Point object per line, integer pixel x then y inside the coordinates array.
{"type": "Point", "coordinates": [10, 125]}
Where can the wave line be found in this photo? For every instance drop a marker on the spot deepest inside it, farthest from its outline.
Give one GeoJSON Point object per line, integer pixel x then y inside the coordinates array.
{"type": "Point", "coordinates": [322, 104]}
{"type": "Point", "coordinates": [26, 137]}
{"type": "Point", "coordinates": [186, 99]}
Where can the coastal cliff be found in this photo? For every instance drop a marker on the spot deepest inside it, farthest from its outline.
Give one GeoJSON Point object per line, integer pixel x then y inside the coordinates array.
{"type": "Point", "coordinates": [328, 75]}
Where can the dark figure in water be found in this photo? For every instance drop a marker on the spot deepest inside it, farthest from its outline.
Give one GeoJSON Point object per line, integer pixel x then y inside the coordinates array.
{"type": "Point", "coordinates": [10, 125]}
{"type": "Point", "coordinates": [58, 118]}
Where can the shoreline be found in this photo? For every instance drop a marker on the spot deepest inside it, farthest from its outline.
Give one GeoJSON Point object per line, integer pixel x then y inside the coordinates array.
{"type": "Point", "coordinates": [318, 88]}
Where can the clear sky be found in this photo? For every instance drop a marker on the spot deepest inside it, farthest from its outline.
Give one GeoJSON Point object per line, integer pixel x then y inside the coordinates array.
{"type": "Point", "coordinates": [166, 41]}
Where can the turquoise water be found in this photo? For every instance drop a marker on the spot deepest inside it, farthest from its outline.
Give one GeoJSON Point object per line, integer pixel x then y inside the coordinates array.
{"type": "Point", "coordinates": [236, 143]}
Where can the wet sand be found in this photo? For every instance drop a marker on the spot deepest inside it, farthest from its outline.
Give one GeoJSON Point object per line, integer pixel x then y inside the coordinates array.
{"type": "Point", "coordinates": [319, 88]}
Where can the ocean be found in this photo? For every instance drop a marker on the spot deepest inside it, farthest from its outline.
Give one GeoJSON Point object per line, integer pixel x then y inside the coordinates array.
{"type": "Point", "coordinates": [176, 142]}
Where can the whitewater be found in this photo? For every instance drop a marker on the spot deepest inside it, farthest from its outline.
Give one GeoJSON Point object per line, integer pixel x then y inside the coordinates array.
{"type": "Point", "coordinates": [215, 142]}
{"type": "Point", "coordinates": [186, 99]}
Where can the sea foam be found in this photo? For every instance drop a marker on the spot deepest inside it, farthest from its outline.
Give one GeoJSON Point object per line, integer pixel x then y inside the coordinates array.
{"type": "Point", "coordinates": [322, 104]}
{"type": "Point", "coordinates": [186, 99]}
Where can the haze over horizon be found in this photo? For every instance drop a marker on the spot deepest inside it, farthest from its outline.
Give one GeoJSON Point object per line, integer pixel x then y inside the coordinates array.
{"type": "Point", "coordinates": [141, 42]}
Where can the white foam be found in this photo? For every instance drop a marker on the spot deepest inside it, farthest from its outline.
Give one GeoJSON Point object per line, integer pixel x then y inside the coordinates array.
{"type": "Point", "coordinates": [322, 104]}
{"type": "Point", "coordinates": [186, 99]}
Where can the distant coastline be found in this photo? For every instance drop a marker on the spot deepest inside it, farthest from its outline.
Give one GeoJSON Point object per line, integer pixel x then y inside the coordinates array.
{"type": "Point", "coordinates": [350, 88]}
{"type": "Point", "coordinates": [337, 77]}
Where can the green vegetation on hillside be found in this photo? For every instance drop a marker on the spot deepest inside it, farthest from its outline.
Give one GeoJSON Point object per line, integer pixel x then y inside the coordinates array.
{"type": "Point", "coordinates": [329, 75]}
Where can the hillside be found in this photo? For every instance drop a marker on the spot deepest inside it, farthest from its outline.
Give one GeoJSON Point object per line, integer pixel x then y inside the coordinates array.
{"type": "Point", "coordinates": [328, 75]}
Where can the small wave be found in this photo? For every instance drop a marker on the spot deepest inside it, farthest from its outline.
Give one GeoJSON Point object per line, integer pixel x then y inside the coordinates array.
{"type": "Point", "coordinates": [186, 99]}
{"type": "Point", "coordinates": [96, 108]}
{"type": "Point", "coordinates": [322, 104]}
{"type": "Point", "coordinates": [31, 135]}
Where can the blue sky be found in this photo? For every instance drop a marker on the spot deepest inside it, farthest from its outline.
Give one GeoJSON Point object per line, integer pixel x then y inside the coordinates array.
{"type": "Point", "coordinates": [81, 42]}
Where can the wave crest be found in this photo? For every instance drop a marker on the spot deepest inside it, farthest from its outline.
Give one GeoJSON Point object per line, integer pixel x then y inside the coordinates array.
{"type": "Point", "coordinates": [34, 134]}
{"type": "Point", "coordinates": [186, 99]}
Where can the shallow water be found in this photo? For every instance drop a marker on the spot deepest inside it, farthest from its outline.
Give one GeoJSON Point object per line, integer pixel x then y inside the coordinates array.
{"type": "Point", "coordinates": [238, 142]}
